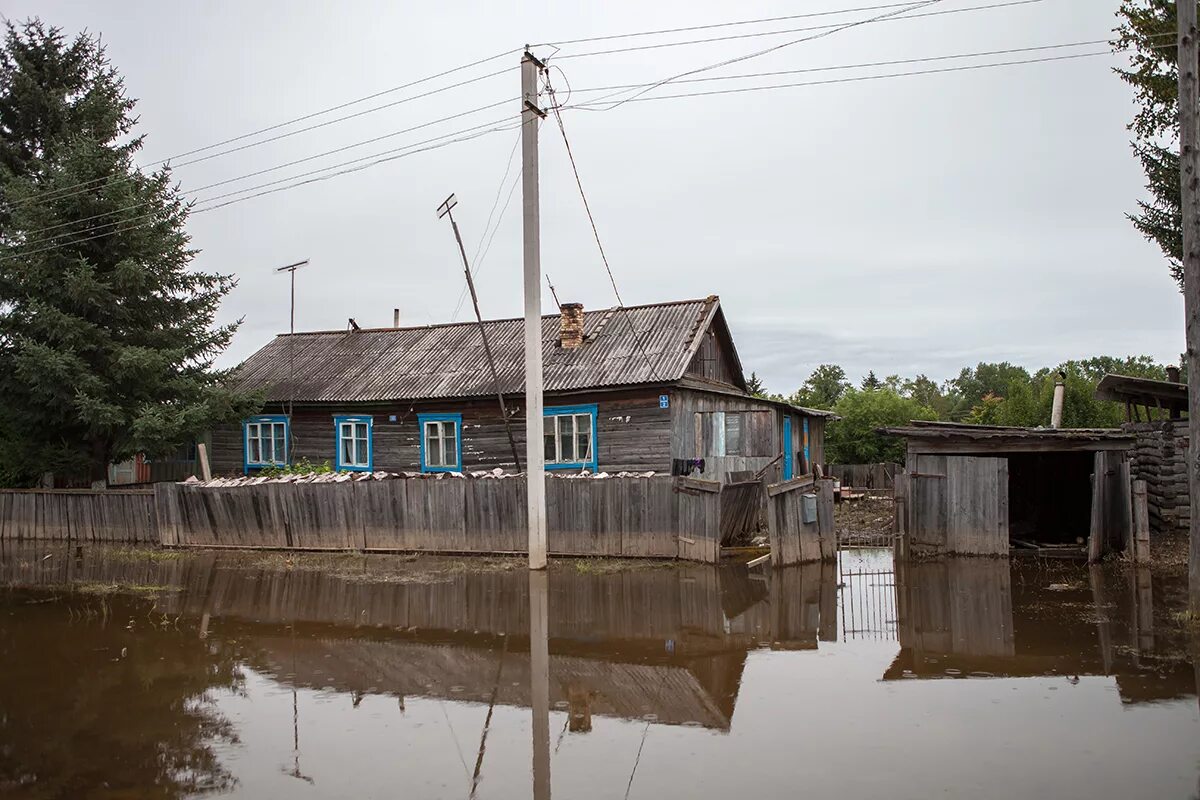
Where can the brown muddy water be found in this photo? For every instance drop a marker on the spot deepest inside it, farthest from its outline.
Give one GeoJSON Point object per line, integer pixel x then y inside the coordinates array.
{"type": "Point", "coordinates": [131, 674]}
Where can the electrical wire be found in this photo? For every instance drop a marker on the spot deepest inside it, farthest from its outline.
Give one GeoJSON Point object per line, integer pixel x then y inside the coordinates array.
{"type": "Point", "coordinates": [733, 37]}
{"type": "Point", "coordinates": [596, 233]}
{"type": "Point", "coordinates": [735, 23]}
{"type": "Point", "coordinates": [478, 261]}
{"type": "Point", "coordinates": [292, 163]}
{"type": "Point", "coordinates": [314, 114]}
{"type": "Point", "coordinates": [856, 79]}
{"type": "Point", "coordinates": [862, 65]}
{"type": "Point", "coordinates": [775, 48]}
{"type": "Point", "coordinates": [156, 215]}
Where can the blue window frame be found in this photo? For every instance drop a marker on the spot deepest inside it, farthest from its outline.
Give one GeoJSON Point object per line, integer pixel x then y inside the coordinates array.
{"type": "Point", "coordinates": [441, 442]}
{"type": "Point", "coordinates": [354, 446]}
{"type": "Point", "coordinates": [570, 437]}
{"type": "Point", "coordinates": [265, 441]}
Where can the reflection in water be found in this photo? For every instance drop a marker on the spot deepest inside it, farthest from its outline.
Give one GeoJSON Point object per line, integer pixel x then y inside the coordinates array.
{"type": "Point", "coordinates": [539, 677]}
{"type": "Point", "coordinates": [436, 678]}
{"type": "Point", "coordinates": [967, 617]}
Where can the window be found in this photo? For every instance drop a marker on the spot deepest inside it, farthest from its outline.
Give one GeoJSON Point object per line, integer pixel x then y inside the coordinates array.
{"type": "Point", "coordinates": [266, 439]}
{"type": "Point", "coordinates": [441, 442]}
{"type": "Point", "coordinates": [733, 433]}
{"type": "Point", "coordinates": [353, 443]}
{"type": "Point", "coordinates": [570, 437]}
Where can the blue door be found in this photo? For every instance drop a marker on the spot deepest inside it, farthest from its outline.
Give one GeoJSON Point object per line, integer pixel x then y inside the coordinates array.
{"type": "Point", "coordinates": [788, 466]}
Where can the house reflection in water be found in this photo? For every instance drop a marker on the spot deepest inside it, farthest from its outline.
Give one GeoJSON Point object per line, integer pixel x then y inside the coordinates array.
{"type": "Point", "coordinates": [981, 617]}
{"type": "Point", "coordinates": [666, 645]}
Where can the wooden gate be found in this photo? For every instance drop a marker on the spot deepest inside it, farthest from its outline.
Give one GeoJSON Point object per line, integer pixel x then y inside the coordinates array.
{"type": "Point", "coordinates": [957, 504]}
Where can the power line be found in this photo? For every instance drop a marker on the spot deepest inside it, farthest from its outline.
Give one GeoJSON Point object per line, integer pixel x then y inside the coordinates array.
{"type": "Point", "coordinates": [585, 106]}
{"type": "Point", "coordinates": [292, 163]}
{"type": "Point", "coordinates": [487, 226]}
{"type": "Point", "coordinates": [596, 233]}
{"type": "Point", "coordinates": [735, 23]}
{"type": "Point", "coordinates": [863, 65]}
{"type": "Point", "coordinates": [757, 34]}
{"type": "Point", "coordinates": [314, 114]}
{"type": "Point", "coordinates": [154, 217]}
{"type": "Point", "coordinates": [775, 48]}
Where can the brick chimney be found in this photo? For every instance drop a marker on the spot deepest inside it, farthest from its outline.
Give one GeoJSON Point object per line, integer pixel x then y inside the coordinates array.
{"type": "Point", "coordinates": [570, 326]}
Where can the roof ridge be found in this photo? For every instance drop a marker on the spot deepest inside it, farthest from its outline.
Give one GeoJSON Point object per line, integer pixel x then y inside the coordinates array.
{"type": "Point", "coordinates": [432, 325]}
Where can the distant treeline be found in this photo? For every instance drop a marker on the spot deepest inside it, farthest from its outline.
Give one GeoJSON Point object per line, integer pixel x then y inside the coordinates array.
{"type": "Point", "coordinates": [988, 394]}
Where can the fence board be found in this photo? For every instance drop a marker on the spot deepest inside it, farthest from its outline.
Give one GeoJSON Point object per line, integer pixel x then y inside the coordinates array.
{"type": "Point", "coordinates": [80, 516]}
{"type": "Point", "coordinates": [647, 517]}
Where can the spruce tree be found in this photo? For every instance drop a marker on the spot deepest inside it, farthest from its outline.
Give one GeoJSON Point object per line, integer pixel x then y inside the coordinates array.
{"type": "Point", "coordinates": [107, 336]}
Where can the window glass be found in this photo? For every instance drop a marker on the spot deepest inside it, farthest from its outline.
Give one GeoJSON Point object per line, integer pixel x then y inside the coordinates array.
{"type": "Point", "coordinates": [583, 437]}
{"type": "Point", "coordinates": [441, 443]}
{"type": "Point", "coordinates": [568, 438]}
{"type": "Point", "coordinates": [733, 433]}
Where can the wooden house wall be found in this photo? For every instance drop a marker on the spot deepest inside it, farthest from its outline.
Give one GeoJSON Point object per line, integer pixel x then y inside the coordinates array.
{"type": "Point", "coordinates": [632, 432]}
{"type": "Point", "coordinates": [712, 362]}
{"type": "Point", "coordinates": [762, 426]}
{"type": "Point", "coordinates": [762, 433]}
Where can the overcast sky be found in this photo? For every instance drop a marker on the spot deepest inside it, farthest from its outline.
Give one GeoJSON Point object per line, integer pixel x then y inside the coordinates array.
{"type": "Point", "coordinates": [905, 225]}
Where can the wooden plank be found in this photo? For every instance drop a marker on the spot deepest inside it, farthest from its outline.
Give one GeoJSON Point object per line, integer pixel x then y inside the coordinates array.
{"type": "Point", "coordinates": [1139, 546]}
{"type": "Point", "coordinates": [800, 482]}
{"type": "Point", "coordinates": [1097, 533]}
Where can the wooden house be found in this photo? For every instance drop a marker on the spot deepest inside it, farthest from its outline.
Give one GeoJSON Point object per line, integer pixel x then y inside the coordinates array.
{"type": "Point", "coordinates": [654, 387]}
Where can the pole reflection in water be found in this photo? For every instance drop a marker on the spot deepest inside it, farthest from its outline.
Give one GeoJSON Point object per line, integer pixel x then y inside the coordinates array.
{"type": "Point", "coordinates": [539, 681]}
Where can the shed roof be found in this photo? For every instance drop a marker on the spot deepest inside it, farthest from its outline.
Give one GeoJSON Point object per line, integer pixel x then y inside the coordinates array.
{"type": "Point", "coordinates": [963, 437]}
{"type": "Point", "coordinates": [1142, 391]}
{"type": "Point", "coordinates": [448, 360]}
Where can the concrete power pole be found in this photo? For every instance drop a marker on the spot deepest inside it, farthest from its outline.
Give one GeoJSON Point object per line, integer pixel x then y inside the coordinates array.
{"type": "Point", "coordinates": [535, 467]}
{"type": "Point", "coordinates": [1189, 177]}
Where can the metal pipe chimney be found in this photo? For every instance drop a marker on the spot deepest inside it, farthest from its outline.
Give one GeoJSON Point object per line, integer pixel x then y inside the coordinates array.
{"type": "Point", "coordinates": [1060, 391]}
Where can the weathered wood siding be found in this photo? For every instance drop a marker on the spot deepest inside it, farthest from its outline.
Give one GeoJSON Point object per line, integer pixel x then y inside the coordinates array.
{"type": "Point", "coordinates": [632, 433]}
{"type": "Point", "coordinates": [697, 431]}
{"type": "Point", "coordinates": [77, 515]}
{"type": "Point", "coordinates": [793, 540]}
{"type": "Point", "coordinates": [712, 362]}
{"type": "Point", "coordinates": [660, 517]}
{"type": "Point", "coordinates": [957, 504]}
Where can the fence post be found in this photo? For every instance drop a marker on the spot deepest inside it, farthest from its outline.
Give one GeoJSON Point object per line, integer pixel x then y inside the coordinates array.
{"type": "Point", "coordinates": [1140, 550]}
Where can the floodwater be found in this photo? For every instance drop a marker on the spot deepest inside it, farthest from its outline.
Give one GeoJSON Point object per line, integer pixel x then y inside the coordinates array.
{"type": "Point", "coordinates": [132, 674]}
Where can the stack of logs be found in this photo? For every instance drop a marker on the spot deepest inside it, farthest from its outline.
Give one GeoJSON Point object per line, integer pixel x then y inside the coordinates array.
{"type": "Point", "coordinates": [1159, 457]}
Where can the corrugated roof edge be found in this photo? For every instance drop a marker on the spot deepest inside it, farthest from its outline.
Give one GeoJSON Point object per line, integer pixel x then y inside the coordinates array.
{"type": "Point", "coordinates": [710, 299]}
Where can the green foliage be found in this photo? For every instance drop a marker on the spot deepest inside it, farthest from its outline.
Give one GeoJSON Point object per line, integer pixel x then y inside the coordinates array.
{"type": "Point", "coordinates": [854, 438]}
{"type": "Point", "coordinates": [1147, 28]}
{"type": "Point", "coordinates": [301, 467]}
{"type": "Point", "coordinates": [823, 389]}
{"type": "Point", "coordinates": [755, 385]}
{"type": "Point", "coordinates": [107, 337]}
{"type": "Point", "coordinates": [986, 394]}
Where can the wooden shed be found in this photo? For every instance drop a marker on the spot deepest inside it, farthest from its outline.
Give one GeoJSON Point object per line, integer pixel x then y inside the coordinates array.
{"type": "Point", "coordinates": [981, 490]}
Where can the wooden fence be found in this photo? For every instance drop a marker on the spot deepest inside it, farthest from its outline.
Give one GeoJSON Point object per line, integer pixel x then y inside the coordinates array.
{"type": "Point", "coordinates": [796, 534]}
{"type": "Point", "coordinates": [866, 476]}
{"type": "Point", "coordinates": [660, 517]}
{"type": "Point", "coordinates": [740, 506]}
{"type": "Point", "coordinates": [78, 515]}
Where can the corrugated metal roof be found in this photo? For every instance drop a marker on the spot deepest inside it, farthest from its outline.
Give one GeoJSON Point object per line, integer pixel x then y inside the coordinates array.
{"type": "Point", "coordinates": [449, 361]}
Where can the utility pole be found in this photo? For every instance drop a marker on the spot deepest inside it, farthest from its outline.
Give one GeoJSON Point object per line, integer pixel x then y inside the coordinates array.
{"type": "Point", "coordinates": [535, 472]}
{"type": "Point", "coordinates": [1189, 178]}
{"type": "Point", "coordinates": [291, 268]}
{"type": "Point", "coordinates": [446, 209]}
